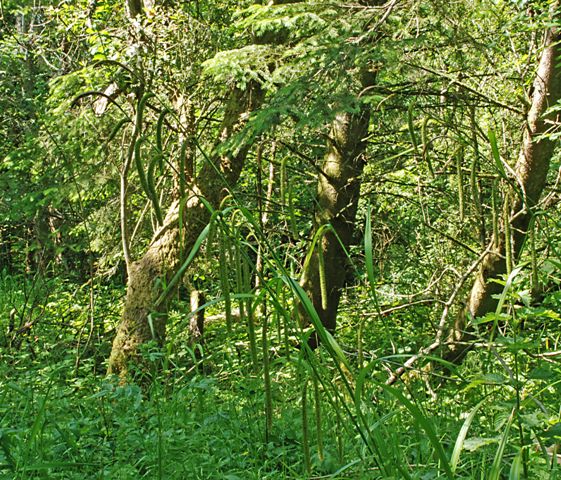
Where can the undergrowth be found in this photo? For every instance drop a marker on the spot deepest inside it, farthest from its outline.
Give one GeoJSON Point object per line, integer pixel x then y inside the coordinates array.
{"type": "Point", "coordinates": [202, 411]}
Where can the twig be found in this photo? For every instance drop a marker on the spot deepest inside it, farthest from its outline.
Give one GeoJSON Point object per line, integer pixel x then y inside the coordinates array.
{"type": "Point", "coordinates": [383, 313]}
{"type": "Point", "coordinates": [455, 81]}
{"type": "Point", "coordinates": [442, 325]}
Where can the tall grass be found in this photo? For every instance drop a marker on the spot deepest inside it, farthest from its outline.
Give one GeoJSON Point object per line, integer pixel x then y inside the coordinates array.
{"type": "Point", "coordinates": [266, 406]}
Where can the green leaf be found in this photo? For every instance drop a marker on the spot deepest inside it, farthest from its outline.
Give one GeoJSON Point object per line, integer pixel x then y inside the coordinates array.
{"type": "Point", "coordinates": [487, 379]}
{"type": "Point", "coordinates": [491, 317]}
{"type": "Point", "coordinates": [475, 443]}
{"type": "Point", "coordinates": [460, 440]}
{"type": "Point", "coordinates": [543, 372]}
{"type": "Point", "coordinates": [516, 467]}
{"type": "Point", "coordinates": [496, 467]}
{"type": "Point", "coordinates": [496, 155]}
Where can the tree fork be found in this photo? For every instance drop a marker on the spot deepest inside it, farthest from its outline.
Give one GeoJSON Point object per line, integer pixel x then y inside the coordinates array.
{"type": "Point", "coordinates": [142, 321]}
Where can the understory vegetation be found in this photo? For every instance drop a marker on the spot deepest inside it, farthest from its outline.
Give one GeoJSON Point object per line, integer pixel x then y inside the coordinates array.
{"type": "Point", "coordinates": [210, 412]}
{"type": "Point", "coordinates": [288, 240]}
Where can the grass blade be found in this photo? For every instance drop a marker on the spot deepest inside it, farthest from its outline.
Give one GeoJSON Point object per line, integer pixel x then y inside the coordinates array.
{"type": "Point", "coordinates": [507, 288]}
{"type": "Point", "coordinates": [495, 472]}
{"type": "Point", "coordinates": [326, 338]}
{"type": "Point", "coordinates": [461, 438]}
{"type": "Point", "coordinates": [496, 155]}
{"type": "Point", "coordinates": [516, 467]}
{"type": "Point", "coordinates": [425, 425]}
{"type": "Point", "coordinates": [179, 274]}
{"type": "Point", "coordinates": [368, 255]}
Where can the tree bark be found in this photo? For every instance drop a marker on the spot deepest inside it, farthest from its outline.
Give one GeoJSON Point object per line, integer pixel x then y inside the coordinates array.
{"type": "Point", "coordinates": [142, 321]}
{"type": "Point", "coordinates": [134, 8]}
{"type": "Point", "coordinates": [338, 193]}
{"type": "Point", "coordinates": [197, 322]}
{"type": "Point", "coordinates": [531, 172]}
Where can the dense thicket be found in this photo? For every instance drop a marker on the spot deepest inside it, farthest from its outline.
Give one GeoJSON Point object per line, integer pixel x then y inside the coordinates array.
{"type": "Point", "coordinates": [290, 239]}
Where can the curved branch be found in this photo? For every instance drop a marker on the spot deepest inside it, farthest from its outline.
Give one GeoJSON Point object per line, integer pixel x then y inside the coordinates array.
{"type": "Point", "coordinates": [91, 93]}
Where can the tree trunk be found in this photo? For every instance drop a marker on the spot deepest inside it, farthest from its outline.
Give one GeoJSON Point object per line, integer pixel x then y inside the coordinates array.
{"type": "Point", "coordinates": [197, 322]}
{"type": "Point", "coordinates": [338, 193]}
{"type": "Point", "coordinates": [531, 171]}
{"type": "Point", "coordinates": [143, 321]}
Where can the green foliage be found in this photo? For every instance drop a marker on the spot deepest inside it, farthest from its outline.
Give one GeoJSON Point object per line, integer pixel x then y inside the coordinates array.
{"type": "Point", "coordinates": [252, 400]}
{"type": "Point", "coordinates": [240, 67]}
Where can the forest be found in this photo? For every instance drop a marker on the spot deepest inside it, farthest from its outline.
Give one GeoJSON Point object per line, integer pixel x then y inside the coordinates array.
{"type": "Point", "coordinates": [280, 239]}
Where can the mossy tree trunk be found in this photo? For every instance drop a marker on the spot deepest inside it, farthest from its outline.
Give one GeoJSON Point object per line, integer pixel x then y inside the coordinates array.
{"type": "Point", "coordinates": [338, 193]}
{"type": "Point", "coordinates": [531, 172]}
{"type": "Point", "coordinates": [142, 320]}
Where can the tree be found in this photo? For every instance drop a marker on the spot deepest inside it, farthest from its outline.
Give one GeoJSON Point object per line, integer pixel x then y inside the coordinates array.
{"type": "Point", "coordinates": [144, 313]}
{"type": "Point", "coordinates": [338, 192]}
{"type": "Point", "coordinates": [526, 184]}
{"type": "Point", "coordinates": [155, 276]}
{"type": "Point", "coordinates": [349, 54]}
